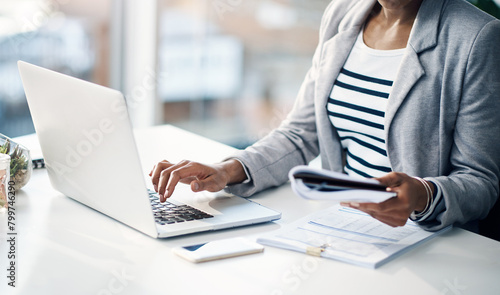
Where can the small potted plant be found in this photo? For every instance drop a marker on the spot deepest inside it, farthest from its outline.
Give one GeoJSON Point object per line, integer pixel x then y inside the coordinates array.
{"type": "Point", "coordinates": [20, 161]}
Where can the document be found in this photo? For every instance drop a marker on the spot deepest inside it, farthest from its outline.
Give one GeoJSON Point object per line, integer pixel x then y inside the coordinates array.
{"type": "Point", "coordinates": [348, 235]}
{"type": "Point", "coordinates": [320, 184]}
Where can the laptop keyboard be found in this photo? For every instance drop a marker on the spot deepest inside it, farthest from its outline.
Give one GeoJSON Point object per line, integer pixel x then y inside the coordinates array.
{"type": "Point", "coordinates": [168, 213]}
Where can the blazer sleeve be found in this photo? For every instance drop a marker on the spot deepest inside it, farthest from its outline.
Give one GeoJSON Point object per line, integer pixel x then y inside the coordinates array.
{"type": "Point", "coordinates": [294, 142]}
{"type": "Point", "coordinates": [472, 187]}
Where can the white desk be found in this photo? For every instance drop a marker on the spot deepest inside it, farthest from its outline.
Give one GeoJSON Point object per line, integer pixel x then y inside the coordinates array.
{"type": "Point", "coordinates": [66, 248]}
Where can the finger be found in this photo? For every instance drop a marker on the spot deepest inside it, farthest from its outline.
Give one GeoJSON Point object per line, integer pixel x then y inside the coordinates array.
{"type": "Point", "coordinates": [390, 180]}
{"type": "Point", "coordinates": [211, 184]}
{"type": "Point", "coordinates": [154, 167]}
{"type": "Point", "coordinates": [158, 168]}
{"type": "Point", "coordinates": [165, 178]}
{"type": "Point", "coordinates": [188, 180]}
{"type": "Point", "coordinates": [180, 173]}
{"type": "Point", "coordinates": [390, 205]}
{"type": "Point", "coordinates": [391, 220]}
{"type": "Point", "coordinates": [370, 208]}
{"type": "Point", "coordinates": [162, 184]}
{"type": "Point", "coordinates": [155, 172]}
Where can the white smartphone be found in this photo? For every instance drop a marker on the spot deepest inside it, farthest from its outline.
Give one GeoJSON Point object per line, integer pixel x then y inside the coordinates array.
{"type": "Point", "coordinates": [218, 249]}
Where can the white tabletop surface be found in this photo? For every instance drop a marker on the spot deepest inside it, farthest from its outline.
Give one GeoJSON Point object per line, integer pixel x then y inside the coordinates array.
{"type": "Point", "coordinates": [64, 247]}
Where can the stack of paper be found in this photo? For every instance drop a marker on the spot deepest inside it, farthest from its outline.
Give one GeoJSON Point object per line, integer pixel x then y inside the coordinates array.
{"type": "Point", "coordinates": [348, 235]}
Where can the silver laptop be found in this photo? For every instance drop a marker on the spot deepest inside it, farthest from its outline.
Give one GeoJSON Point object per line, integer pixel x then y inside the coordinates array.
{"type": "Point", "coordinates": [91, 156]}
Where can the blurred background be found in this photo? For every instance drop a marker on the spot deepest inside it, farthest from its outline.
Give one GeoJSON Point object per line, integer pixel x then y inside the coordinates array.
{"type": "Point", "coordinates": [226, 69]}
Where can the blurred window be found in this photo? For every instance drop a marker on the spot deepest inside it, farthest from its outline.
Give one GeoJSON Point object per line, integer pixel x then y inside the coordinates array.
{"type": "Point", "coordinates": [231, 69]}
{"type": "Point", "coordinates": [64, 35]}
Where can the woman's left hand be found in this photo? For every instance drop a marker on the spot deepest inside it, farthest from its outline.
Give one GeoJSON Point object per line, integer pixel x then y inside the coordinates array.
{"type": "Point", "coordinates": [411, 196]}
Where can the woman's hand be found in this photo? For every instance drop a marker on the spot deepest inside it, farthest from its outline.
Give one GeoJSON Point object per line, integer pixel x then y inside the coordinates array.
{"type": "Point", "coordinates": [213, 178]}
{"type": "Point", "coordinates": [411, 196]}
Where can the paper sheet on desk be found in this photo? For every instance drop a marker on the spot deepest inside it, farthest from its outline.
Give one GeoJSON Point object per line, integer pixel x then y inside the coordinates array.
{"type": "Point", "coordinates": [346, 188]}
{"type": "Point", "coordinates": [348, 235]}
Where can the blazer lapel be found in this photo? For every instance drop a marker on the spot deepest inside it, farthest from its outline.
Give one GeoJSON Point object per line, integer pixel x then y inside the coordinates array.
{"type": "Point", "coordinates": [423, 36]}
{"type": "Point", "coordinates": [335, 52]}
{"type": "Point", "coordinates": [409, 73]}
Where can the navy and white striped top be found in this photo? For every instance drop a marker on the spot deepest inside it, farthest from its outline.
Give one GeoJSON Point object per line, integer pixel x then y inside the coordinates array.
{"type": "Point", "coordinates": [357, 105]}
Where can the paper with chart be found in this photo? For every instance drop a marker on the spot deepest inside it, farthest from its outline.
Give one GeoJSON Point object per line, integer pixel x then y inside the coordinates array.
{"type": "Point", "coordinates": [348, 235]}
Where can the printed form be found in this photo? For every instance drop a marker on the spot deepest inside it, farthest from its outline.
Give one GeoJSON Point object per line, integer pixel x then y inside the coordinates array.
{"type": "Point", "coordinates": [348, 235]}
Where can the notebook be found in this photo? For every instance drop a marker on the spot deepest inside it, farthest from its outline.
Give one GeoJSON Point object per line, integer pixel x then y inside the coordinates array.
{"type": "Point", "coordinates": [320, 184]}
{"type": "Point", "coordinates": [91, 156]}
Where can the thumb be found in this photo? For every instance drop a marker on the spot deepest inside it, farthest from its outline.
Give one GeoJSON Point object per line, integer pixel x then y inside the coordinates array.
{"type": "Point", "coordinates": [210, 184]}
{"type": "Point", "coordinates": [196, 186]}
{"type": "Point", "coordinates": [390, 180]}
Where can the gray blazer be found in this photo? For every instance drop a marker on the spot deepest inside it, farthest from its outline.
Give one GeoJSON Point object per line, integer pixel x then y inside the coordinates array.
{"type": "Point", "coordinates": [442, 120]}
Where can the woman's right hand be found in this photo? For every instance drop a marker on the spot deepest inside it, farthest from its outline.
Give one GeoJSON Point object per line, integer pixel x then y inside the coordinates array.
{"type": "Point", "coordinates": [213, 178]}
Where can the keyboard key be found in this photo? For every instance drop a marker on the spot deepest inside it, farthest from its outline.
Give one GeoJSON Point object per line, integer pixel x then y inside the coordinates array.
{"type": "Point", "coordinates": [168, 213]}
